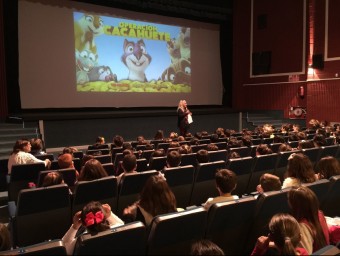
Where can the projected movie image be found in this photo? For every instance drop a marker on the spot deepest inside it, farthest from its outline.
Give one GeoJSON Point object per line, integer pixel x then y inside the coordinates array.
{"type": "Point", "coordinates": [120, 55]}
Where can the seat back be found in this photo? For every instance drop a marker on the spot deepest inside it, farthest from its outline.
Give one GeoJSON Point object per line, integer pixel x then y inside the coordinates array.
{"type": "Point", "coordinates": [275, 147]}
{"type": "Point", "coordinates": [181, 179]}
{"type": "Point", "coordinates": [129, 239]}
{"type": "Point", "coordinates": [41, 214]}
{"type": "Point", "coordinates": [242, 168]}
{"type": "Point", "coordinates": [242, 151]}
{"type": "Point", "coordinates": [262, 164]}
{"type": "Point", "coordinates": [102, 146]}
{"type": "Point", "coordinates": [104, 158]}
{"type": "Point", "coordinates": [173, 233]}
{"type": "Point", "coordinates": [221, 145]}
{"type": "Point", "coordinates": [329, 151]}
{"type": "Point", "coordinates": [204, 184]}
{"type": "Point", "coordinates": [196, 148]}
{"type": "Point", "coordinates": [45, 156]}
{"type": "Point", "coordinates": [53, 247]}
{"type": "Point", "coordinates": [229, 223]}
{"type": "Point", "coordinates": [142, 165]}
{"type": "Point", "coordinates": [131, 184]}
{"type": "Point", "coordinates": [268, 204]}
{"type": "Point", "coordinates": [78, 154]}
{"type": "Point", "coordinates": [320, 188]}
{"type": "Point", "coordinates": [110, 170]}
{"type": "Point", "coordinates": [329, 205]}
{"type": "Point", "coordinates": [69, 176]}
{"type": "Point", "coordinates": [313, 154]}
{"type": "Point", "coordinates": [21, 175]}
{"type": "Point", "coordinates": [189, 159]}
{"type": "Point", "coordinates": [157, 163]}
{"type": "Point", "coordinates": [147, 154]}
{"type": "Point", "coordinates": [103, 190]}
{"type": "Point", "coordinates": [99, 151]}
{"type": "Point", "coordinates": [163, 145]}
{"type": "Point", "coordinates": [217, 155]}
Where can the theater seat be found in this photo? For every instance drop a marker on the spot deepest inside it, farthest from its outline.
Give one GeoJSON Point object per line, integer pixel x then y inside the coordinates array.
{"type": "Point", "coordinates": [129, 239]}
{"type": "Point", "coordinates": [173, 233]}
{"type": "Point", "coordinates": [40, 214]}
{"type": "Point", "coordinates": [53, 247]}
{"type": "Point", "coordinates": [229, 223]}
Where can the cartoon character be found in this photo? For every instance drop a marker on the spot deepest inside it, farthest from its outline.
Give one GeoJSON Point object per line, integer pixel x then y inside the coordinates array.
{"type": "Point", "coordinates": [102, 73]}
{"type": "Point", "coordinates": [136, 59]}
{"type": "Point", "coordinates": [173, 50]}
{"type": "Point", "coordinates": [85, 30]}
{"type": "Point", "coordinates": [183, 42]}
{"type": "Point", "coordinates": [85, 61]}
{"type": "Point", "coordinates": [178, 72]}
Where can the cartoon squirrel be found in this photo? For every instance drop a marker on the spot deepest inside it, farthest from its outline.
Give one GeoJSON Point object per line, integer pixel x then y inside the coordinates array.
{"type": "Point", "coordinates": [85, 30]}
{"type": "Point", "coordinates": [183, 41]}
{"type": "Point", "coordinates": [85, 62]}
{"type": "Point", "coordinates": [136, 59]}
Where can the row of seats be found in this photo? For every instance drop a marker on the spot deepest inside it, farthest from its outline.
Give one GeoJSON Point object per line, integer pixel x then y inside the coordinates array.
{"type": "Point", "coordinates": [233, 225]}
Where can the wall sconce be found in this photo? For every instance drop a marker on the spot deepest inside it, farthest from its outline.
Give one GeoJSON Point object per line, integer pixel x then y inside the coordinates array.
{"type": "Point", "coordinates": [310, 70]}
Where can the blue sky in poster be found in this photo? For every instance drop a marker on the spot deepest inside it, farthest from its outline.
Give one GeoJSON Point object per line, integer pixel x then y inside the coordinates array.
{"type": "Point", "coordinates": [110, 48]}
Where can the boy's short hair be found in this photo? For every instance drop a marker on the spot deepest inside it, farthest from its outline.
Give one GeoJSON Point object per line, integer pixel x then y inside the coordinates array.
{"type": "Point", "coordinates": [226, 180]}
{"type": "Point", "coordinates": [270, 182]}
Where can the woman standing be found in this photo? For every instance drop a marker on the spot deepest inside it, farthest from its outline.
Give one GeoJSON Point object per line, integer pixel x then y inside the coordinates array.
{"type": "Point", "coordinates": [184, 116]}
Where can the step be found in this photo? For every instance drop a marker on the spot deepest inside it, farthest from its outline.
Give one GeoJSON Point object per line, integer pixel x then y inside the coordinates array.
{"type": "Point", "coordinates": [14, 137]}
{"type": "Point", "coordinates": [18, 130]}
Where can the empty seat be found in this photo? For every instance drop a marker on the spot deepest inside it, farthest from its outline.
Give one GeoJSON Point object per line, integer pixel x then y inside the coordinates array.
{"type": "Point", "coordinates": [242, 168]}
{"type": "Point", "coordinates": [262, 164]}
{"type": "Point", "coordinates": [157, 163]}
{"type": "Point", "coordinates": [142, 165]}
{"type": "Point", "coordinates": [103, 190]}
{"type": "Point", "coordinates": [110, 170]}
{"type": "Point", "coordinates": [180, 179]}
{"type": "Point", "coordinates": [21, 175]}
{"type": "Point", "coordinates": [129, 239]}
{"type": "Point", "coordinates": [204, 184]}
{"type": "Point", "coordinates": [332, 201]}
{"type": "Point", "coordinates": [131, 184]}
{"type": "Point", "coordinates": [40, 214]}
{"type": "Point", "coordinates": [173, 233]}
{"type": "Point", "coordinates": [53, 247]}
{"type": "Point", "coordinates": [104, 158]}
{"type": "Point", "coordinates": [189, 159]}
{"type": "Point", "coordinates": [217, 155]}
{"type": "Point", "coordinates": [229, 223]}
